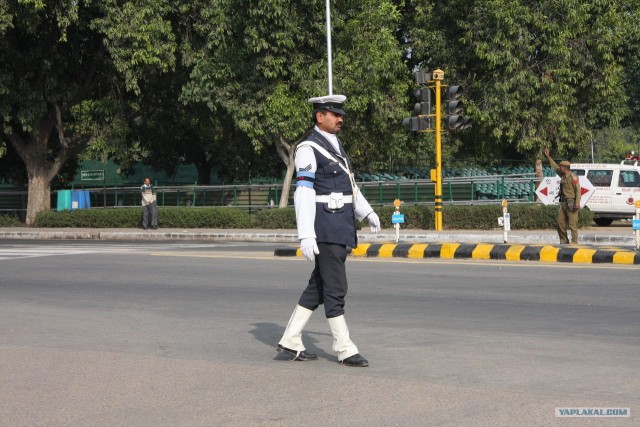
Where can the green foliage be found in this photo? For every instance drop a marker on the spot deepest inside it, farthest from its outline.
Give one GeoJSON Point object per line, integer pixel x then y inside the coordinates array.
{"type": "Point", "coordinates": [632, 83]}
{"type": "Point", "coordinates": [9, 220]}
{"type": "Point", "coordinates": [90, 218]}
{"type": "Point", "coordinates": [523, 216]}
{"type": "Point", "coordinates": [369, 68]}
{"type": "Point", "coordinates": [210, 82]}
{"type": "Point", "coordinates": [456, 217]}
{"type": "Point", "coordinates": [203, 218]}
{"type": "Point", "coordinates": [611, 145]}
{"type": "Point", "coordinates": [260, 61]}
{"type": "Point", "coordinates": [173, 217]}
{"type": "Point", "coordinates": [275, 218]}
{"type": "Point", "coordinates": [64, 66]}
{"type": "Point", "coordinates": [537, 74]}
{"type": "Point", "coordinates": [415, 217]}
{"type": "Point", "coordinates": [138, 37]}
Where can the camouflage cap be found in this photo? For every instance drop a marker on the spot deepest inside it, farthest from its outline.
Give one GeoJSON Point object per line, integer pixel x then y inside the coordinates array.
{"type": "Point", "coordinates": [565, 163]}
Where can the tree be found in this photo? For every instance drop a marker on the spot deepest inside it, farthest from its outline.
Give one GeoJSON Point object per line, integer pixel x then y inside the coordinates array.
{"type": "Point", "coordinates": [632, 83]}
{"type": "Point", "coordinates": [258, 63]}
{"type": "Point", "coordinates": [62, 64]}
{"type": "Point", "coordinates": [166, 133]}
{"type": "Point", "coordinates": [536, 74]}
{"type": "Point", "coordinates": [610, 145]}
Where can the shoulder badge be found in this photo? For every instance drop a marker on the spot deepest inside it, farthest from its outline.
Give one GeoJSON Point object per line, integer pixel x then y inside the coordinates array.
{"type": "Point", "coordinates": [575, 179]}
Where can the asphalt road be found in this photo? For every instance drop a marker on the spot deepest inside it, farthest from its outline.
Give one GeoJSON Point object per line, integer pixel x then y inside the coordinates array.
{"type": "Point", "coordinates": [97, 333]}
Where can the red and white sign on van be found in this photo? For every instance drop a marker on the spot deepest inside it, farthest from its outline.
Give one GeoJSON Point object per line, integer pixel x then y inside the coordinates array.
{"type": "Point", "coordinates": [549, 190]}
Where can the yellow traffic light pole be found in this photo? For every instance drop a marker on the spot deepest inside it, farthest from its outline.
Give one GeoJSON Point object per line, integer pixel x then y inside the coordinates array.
{"type": "Point", "coordinates": [438, 76]}
{"type": "Point", "coordinates": [454, 121]}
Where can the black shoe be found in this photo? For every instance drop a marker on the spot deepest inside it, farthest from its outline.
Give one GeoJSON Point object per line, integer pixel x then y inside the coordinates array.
{"type": "Point", "coordinates": [297, 355]}
{"type": "Point", "coordinates": [155, 227]}
{"type": "Point", "coordinates": [355, 360]}
{"type": "Point", "coordinates": [144, 228]}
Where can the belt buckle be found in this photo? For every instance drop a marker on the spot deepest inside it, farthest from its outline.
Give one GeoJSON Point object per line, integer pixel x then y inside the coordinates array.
{"type": "Point", "coordinates": [336, 201]}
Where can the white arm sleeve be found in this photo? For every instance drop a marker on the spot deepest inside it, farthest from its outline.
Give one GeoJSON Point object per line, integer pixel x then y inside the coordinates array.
{"type": "Point", "coordinates": [304, 198]}
{"type": "Point", "coordinates": [361, 207]}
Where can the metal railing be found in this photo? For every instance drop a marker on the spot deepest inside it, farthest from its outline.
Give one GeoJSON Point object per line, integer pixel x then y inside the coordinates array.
{"type": "Point", "coordinates": [457, 190]}
{"type": "Point", "coordinates": [467, 190]}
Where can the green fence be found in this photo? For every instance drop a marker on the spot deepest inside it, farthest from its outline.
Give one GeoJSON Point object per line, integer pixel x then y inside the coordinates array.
{"type": "Point", "coordinates": [454, 190]}
{"type": "Point", "coordinates": [259, 196]}
{"type": "Point", "coordinates": [457, 190]}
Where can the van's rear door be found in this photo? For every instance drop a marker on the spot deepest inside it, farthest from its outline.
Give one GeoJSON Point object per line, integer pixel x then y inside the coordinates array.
{"type": "Point", "coordinates": [626, 190]}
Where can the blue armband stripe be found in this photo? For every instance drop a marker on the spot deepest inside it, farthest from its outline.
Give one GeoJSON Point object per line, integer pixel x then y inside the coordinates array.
{"type": "Point", "coordinates": [306, 174]}
{"type": "Point", "coordinates": [302, 183]}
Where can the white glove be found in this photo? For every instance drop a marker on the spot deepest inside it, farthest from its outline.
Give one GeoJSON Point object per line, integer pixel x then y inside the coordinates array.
{"type": "Point", "coordinates": [374, 222]}
{"type": "Point", "coordinates": [309, 248]}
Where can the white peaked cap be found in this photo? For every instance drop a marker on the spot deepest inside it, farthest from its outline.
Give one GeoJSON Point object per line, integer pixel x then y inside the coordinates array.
{"type": "Point", "coordinates": [331, 103]}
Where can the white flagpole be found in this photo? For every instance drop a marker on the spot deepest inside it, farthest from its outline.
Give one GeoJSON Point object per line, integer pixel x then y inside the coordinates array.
{"type": "Point", "coordinates": [330, 75]}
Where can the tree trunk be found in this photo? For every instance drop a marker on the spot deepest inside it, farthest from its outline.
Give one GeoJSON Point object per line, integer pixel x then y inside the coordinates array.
{"type": "Point", "coordinates": [287, 152]}
{"type": "Point", "coordinates": [40, 173]}
{"type": "Point", "coordinates": [40, 169]}
{"type": "Point", "coordinates": [539, 175]}
{"type": "Point", "coordinates": [39, 198]}
{"type": "Point", "coordinates": [286, 185]}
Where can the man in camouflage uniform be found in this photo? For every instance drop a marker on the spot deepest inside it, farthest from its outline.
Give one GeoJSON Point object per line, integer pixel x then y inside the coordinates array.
{"type": "Point", "coordinates": [569, 200]}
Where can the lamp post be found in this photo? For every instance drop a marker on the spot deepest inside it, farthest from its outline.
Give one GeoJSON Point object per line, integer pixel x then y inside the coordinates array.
{"type": "Point", "coordinates": [329, 65]}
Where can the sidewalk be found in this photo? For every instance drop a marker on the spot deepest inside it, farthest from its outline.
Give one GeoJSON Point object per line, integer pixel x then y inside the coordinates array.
{"type": "Point", "coordinates": [615, 244]}
{"type": "Point", "coordinates": [611, 236]}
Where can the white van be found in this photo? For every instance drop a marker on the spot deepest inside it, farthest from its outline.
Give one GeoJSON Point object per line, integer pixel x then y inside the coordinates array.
{"type": "Point", "coordinates": [617, 187]}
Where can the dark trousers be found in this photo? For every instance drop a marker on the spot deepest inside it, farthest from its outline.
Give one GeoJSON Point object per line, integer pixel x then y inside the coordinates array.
{"type": "Point", "coordinates": [150, 212]}
{"type": "Point", "coordinates": [328, 282]}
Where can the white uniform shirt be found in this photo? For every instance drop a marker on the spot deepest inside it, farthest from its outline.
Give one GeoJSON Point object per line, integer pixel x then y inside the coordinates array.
{"type": "Point", "coordinates": [304, 198]}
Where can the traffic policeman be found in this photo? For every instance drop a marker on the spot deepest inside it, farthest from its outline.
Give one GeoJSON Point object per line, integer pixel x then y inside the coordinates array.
{"type": "Point", "coordinates": [570, 194]}
{"type": "Point", "coordinates": [328, 203]}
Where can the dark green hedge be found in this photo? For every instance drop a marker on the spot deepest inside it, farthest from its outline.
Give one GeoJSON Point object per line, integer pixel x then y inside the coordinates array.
{"type": "Point", "coordinates": [168, 217]}
{"type": "Point", "coordinates": [455, 217]}
{"type": "Point", "coordinates": [9, 220]}
{"type": "Point", "coordinates": [275, 218]}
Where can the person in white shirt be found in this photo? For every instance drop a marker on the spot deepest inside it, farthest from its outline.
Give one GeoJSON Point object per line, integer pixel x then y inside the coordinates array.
{"type": "Point", "coordinates": [328, 204]}
{"type": "Point", "coordinates": [149, 206]}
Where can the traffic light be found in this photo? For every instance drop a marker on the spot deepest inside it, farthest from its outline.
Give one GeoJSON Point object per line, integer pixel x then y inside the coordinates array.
{"type": "Point", "coordinates": [454, 104]}
{"type": "Point", "coordinates": [455, 107]}
{"type": "Point", "coordinates": [422, 120]}
{"type": "Point", "coordinates": [422, 77]}
{"type": "Point", "coordinates": [456, 122]}
{"type": "Point", "coordinates": [417, 123]}
{"type": "Point", "coordinates": [423, 107]}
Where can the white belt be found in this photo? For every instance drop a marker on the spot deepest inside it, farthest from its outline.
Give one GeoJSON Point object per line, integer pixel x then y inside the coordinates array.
{"type": "Point", "coordinates": [325, 199]}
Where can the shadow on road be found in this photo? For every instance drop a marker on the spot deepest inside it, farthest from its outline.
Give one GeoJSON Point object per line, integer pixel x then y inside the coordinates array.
{"type": "Point", "coordinates": [270, 333]}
